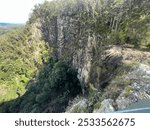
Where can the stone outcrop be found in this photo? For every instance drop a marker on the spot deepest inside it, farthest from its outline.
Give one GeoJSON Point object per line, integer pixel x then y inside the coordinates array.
{"type": "Point", "coordinates": [74, 41]}
{"type": "Point", "coordinates": [105, 107]}
{"type": "Point", "coordinates": [139, 88]}
{"type": "Point", "coordinates": [78, 105]}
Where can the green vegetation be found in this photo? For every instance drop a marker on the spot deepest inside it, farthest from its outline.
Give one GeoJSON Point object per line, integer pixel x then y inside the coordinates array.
{"type": "Point", "coordinates": [17, 61]}
{"type": "Point", "coordinates": [97, 105]}
{"type": "Point", "coordinates": [128, 91]}
{"type": "Point", "coordinates": [115, 21]}
{"type": "Point", "coordinates": [6, 29]}
{"type": "Point", "coordinates": [50, 91]}
{"type": "Point", "coordinates": [24, 57]}
{"type": "Point", "coordinates": [32, 81]}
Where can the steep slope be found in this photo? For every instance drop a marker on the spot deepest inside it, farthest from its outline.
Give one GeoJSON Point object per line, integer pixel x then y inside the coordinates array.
{"type": "Point", "coordinates": [129, 83]}
{"type": "Point", "coordinates": [20, 57]}
{"type": "Point", "coordinates": [79, 31]}
{"type": "Point", "coordinates": [97, 41]}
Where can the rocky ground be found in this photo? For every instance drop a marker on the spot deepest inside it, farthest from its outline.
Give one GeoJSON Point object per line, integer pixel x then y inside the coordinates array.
{"type": "Point", "coordinates": [131, 83]}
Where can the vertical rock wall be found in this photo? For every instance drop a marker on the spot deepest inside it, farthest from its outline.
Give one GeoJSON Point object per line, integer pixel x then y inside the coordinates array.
{"type": "Point", "coordinates": [74, 43]}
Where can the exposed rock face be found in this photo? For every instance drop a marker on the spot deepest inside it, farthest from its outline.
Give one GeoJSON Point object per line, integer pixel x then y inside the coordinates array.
{"type": "Point", "coordinates": [132, 81]}
{"type": "Point", "coordinates": [78, 106]}
{"type": "Point", "coordinates": [139, 89]}
{"type": "Point", "coordinates": [106, 107]}
{"type": "Point", "coordinates": [74, 43]}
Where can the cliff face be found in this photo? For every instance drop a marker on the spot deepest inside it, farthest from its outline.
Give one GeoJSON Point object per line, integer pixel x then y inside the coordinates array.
{"type": "Point", "coordinates": [75, 45]}
{"type": "Point", "coordinates": [83, 55]}
{"type": "Point", "coordinates": [79, 33]}
{"type": "Point", "coordinates": [129, 83]}
{"type": "Point", "coordinates": [72, 39]}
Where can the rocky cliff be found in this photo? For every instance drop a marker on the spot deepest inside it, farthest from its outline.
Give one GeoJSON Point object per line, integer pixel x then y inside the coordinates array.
{"type": "Point", "coordinates": [71, 38]}
{"type": "Point", "coordinates": [90, 56]}
{"type": "Point", "coordinates": [82, 33]}
{"type": "Point", "coordinates": [130, 83]}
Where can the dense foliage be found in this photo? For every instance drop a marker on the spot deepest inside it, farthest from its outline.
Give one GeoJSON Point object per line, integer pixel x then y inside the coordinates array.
{"type": "Point", "coordinates": [113, 21]}
{"type": "Point", "coordinates": [31, 81]}
{"type": "Point", "coordinates": [17, 61]}
{"type": "Point", "coordinates": [50, 91]}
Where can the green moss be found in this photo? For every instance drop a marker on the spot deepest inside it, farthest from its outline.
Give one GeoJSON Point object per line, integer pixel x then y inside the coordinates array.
{"type": "Point", "coordinates": [97, 105]}
{"type": "Point", "coordinates": [128, 91]}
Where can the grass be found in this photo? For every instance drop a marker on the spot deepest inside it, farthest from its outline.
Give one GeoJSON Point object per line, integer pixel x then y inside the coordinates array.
{"type": "Point", "coordinates": [128, 91]}
{"type": "Point", "coordinates": [97, 105]}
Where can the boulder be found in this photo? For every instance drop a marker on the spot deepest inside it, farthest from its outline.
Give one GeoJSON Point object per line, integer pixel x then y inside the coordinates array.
{"type": "Point", "coordinates": [106, 106]}
{"type": "Point", "coordinates": [78, 106]}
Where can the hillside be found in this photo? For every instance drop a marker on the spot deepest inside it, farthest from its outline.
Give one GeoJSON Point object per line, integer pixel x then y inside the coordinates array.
{"type": "Point", "coordinates": [9, 24]}
{"type": "Point", "coordinates": [18, 49]}
{"type": "Point", "coordinates": [6, 27]}
{"type": "Point", "coordinates": [77, 56]}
